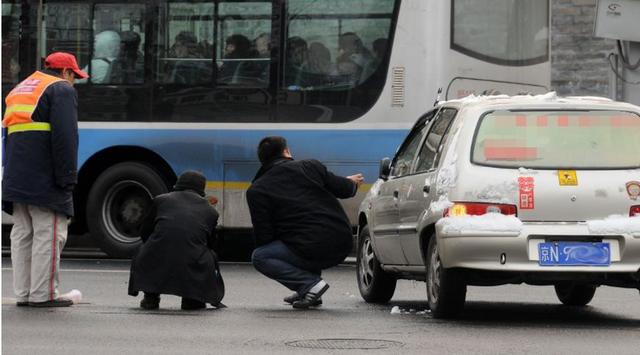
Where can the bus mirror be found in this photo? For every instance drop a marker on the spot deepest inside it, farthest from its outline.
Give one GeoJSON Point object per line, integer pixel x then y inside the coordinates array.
{"type": "Point", "coordinates": [385, 168]}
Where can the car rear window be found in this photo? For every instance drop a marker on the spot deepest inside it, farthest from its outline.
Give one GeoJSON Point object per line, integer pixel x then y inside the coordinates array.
{"type": "Point", "coordinates": [558, 139]}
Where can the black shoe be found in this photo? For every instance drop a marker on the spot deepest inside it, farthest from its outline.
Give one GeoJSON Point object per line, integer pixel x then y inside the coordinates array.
{"type": "Point", "coordinates": [296, 297]}
{"type": "Point", "coordinates": [312, 297]}
{"type": "Point", "coordinates": [150, 302]}
{"type": "Point", "coordinates": [190, 305]}
{"type": "Point", "coordinates": [22, 303]}
{"type": "Point", "coordinates": [58, 302]}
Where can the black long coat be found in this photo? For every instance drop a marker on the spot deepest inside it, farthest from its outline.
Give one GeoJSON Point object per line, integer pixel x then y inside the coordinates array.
{"type": "Point", "coordinates": [175, 257]}
{"type": "Point", "coordinates": [296, 202]}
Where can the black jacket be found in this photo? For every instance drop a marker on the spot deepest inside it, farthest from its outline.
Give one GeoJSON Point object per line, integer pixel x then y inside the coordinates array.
{"type": "Point", "coordinates": [40, 168]}
{"type": "Point", "coordinates": [175, 258]}
{"type": "Point", "coordinates": [295, 202]}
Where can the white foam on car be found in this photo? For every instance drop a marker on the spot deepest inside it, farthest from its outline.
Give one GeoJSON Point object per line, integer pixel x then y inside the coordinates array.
{"type": "Point", "coordinates": [615, 224]}
{"type": "Point", "coordinates": [494, 222]}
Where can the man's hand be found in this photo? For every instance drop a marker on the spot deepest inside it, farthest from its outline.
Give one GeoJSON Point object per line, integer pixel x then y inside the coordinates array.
{"type": "Point", "coordinates": [358, 179]}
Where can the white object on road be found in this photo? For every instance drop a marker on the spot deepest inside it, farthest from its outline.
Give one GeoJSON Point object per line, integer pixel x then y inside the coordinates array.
{"type": "Point", "coordinates": [395, 310]}
{"type": "Point", "coordinates": [74, 295]}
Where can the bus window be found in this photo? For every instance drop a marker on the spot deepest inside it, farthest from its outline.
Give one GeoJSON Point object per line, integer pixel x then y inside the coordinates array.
{"type": "Point", "coordinates": [185, 39]}
{"type": "Point", "coordinates": [67, 28]}
{"type": "Point", "coordinates": [335, 58]}
{"type": "Point", "coordinates": [334, 44]}
{"type": "Point", "coordinates": [118, 44]}
{"type": "Point", "coordinates": [10, 43]}
{"type": "Point", "coordinates": [505, 32]}
{"type": "Point", "coordinates": [244, 43]}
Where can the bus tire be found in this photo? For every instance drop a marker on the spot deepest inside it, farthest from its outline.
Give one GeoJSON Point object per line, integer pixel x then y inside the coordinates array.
{"type": "Point", "coordinates": [117, 203]}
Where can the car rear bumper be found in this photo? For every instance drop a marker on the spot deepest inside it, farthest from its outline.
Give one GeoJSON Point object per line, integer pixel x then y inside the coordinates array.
{"type": "Point", "coordinates": [518, 250]}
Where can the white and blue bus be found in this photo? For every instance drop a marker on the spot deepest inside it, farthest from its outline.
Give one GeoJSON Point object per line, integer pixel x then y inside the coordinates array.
{"type": "Point", "coordinates": [195, 84]}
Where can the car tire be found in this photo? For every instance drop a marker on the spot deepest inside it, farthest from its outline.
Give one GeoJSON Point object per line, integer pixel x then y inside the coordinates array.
{"type": "Point", "coordinates": [117, 204]}
{"type": "Point", "coordinates": [571, 294]}
{"type": "Point", "coordinates": [375, 284]}
{"type": "Point", "coordinates": [446, 290]}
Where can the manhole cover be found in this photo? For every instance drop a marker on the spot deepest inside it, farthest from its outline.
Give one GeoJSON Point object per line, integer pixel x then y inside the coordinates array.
{"type": "Point", "coordinates": [344, 344]}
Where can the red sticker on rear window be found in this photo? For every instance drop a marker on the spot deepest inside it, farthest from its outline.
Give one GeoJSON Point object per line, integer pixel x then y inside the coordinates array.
{"type": "Point", "coordinates": [526, 196]}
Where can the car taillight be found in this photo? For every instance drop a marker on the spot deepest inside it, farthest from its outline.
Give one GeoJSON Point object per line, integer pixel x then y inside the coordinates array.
{"type": "Point", "coordinates": [634, 211]}
{"type": "Point", "coordinates": [476, 209]}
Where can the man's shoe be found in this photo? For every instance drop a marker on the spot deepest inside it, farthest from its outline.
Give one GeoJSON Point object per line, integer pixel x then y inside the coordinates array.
{"type": "Point", "coordinates": [58, 302]}
{"type": "Point", "coordinates": [313, 296]}
{"type": "Point", "coordinates": [22, 303]}
{"type": "Point", "coordinates": [191, 305]}
{"type": "Point", "coordinates": [296, 297]}
{"type": "Point", "coordinates": [150, 302]}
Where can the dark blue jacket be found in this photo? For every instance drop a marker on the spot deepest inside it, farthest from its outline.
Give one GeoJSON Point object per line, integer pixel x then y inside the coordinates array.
{"type": "Point", "coordinates": [40, 168]}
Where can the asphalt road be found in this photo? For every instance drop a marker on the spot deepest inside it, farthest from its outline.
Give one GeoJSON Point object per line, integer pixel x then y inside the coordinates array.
{"type": "Point", "coordinates": [498, 320]}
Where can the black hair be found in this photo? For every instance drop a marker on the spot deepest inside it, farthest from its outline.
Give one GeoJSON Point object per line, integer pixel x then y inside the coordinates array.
{"type": "Point", "coordinates": [271, 148]}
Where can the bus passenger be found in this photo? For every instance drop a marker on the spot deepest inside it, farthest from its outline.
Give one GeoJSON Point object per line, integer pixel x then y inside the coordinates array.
{"type": "Point", "coordinates": [128, 68]}
{"type": "Point", "coordinates": [237, 47]}
{"type": "Point", "coordinates": [185, 69]}
{"type": "Point", "coordinates": [176, 256]}
{"type": "Point", "coordinates": [300, 227]}
{"type": "Point", "coordinates": [39, 175]}
{"type": "Point", "coordinates": [105, 51]}
{"type": "Point", "coordinates": [353, 59]}
{"type": "Point", "coordinates": [297, 55]}
{"type": "Point", "coordinates": [319, 61]}
{"type": "Point", "coordinates": [262, 45]}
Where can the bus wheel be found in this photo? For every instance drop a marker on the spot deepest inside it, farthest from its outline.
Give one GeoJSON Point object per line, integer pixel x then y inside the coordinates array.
{"type": "Point", "coordinates": [117, 203]}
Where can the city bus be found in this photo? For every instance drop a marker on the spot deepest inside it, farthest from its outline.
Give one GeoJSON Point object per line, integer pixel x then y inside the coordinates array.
{"type": "Point", "coordinates": [195, 84]}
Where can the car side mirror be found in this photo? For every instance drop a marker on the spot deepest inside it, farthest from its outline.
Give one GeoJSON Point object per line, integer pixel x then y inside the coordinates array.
{"type": "Point", "coordinates": [385, 168]}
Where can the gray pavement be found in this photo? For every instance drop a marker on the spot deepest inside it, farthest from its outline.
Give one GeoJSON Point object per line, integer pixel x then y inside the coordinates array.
{"type": "Point", "coordinates": [507, 319]}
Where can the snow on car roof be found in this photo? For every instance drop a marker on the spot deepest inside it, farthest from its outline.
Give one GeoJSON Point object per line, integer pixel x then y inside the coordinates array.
{"type": "Point", "coordinates": [550, 99]}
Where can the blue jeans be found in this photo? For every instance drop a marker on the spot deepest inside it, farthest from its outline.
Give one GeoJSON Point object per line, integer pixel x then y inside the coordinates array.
{"type": "Point", "coordinates": [276, 261]}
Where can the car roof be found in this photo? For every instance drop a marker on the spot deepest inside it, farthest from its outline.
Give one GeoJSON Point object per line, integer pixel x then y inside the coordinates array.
{"type": "Point", "coordinates": [546, 101]}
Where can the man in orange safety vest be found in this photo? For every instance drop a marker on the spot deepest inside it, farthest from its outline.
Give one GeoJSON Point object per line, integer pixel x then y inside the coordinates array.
{"type": "Point", "coordinates": [40, 172]}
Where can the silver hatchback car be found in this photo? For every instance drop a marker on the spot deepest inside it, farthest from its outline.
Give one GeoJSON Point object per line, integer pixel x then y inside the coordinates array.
{"type": "Point", "coordinates": [498, 190]}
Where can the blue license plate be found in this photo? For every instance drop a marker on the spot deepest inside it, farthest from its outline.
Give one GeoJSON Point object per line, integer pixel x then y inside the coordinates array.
{"type": "Point", "coordinates": [574, 254]}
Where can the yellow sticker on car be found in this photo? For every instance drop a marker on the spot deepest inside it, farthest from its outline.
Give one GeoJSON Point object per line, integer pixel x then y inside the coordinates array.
{"type": "Point", "coordinates": [568, 177]}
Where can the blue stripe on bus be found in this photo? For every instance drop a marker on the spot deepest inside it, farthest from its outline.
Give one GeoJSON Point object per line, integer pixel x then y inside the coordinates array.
{"type": "Point", "coordinates": [230, 155]}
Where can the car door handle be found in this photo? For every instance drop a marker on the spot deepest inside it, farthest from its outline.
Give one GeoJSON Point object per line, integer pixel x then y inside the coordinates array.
{"type": "Point", "coordinates": [426, 188]}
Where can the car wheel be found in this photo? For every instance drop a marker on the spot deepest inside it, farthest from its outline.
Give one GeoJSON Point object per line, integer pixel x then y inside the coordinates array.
{"type": "Point", "coordinates": [375, 284]}
{"type": "Point", "coordinates": [446, 291]}
{"type": "Point", "coordinates": [571, 294]}
{"type": "Point", "coordinates": [117, 204]}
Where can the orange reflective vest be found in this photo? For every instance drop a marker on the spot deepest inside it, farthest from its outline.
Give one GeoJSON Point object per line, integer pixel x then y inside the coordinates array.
{"type": "Point", "coordinates": [22, 102]}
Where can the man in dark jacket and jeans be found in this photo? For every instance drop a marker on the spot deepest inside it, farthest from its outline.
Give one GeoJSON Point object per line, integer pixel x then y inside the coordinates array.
{"type": "Point", "coordinates": [300, 227]}
{"type": "Point", "coordinates": [41, 154]}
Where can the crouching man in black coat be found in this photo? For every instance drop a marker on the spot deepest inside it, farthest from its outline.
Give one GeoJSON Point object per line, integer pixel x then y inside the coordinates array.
{"type": "Point", "coordinates": [300, 227]}
{"type": "Point", "coordinates": [176, 258]}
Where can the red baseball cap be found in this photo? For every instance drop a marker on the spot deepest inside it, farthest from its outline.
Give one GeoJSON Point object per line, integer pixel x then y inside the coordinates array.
{"type": "Point", "coordinates": [62, 60]}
